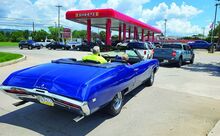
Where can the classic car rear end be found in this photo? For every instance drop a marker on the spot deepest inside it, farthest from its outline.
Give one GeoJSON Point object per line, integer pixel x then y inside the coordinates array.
{"type": "Point", "coordinates": [80, 86]}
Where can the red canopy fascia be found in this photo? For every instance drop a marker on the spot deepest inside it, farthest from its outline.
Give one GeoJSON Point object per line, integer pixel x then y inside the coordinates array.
{"type": "Point", "coordinates": [108, 13]}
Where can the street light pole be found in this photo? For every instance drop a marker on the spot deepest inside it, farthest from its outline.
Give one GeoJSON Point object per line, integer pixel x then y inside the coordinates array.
{"type": "Point", "coordinates": [58, 18]}
{"type": "Point", "coordinates": [213, 28]}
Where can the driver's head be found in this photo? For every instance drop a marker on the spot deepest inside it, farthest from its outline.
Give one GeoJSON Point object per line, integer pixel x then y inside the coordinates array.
{"type": "Point", "coordinates": [125, 57]}
{"type": "Point", "coordinates": [96, 50]}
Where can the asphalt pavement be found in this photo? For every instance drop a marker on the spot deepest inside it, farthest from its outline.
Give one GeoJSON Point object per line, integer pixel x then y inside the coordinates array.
{"type": "Point", "coordinates": [182, 102]}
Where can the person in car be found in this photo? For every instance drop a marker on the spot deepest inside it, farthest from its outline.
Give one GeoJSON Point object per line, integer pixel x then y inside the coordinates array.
{"type": "Point", "coordinates": [124, 57]}
{"type": "Point", "coordinates": [95, 56]}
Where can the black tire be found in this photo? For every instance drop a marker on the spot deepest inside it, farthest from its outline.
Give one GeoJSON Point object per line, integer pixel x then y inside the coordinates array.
{"type": "Point", "coordinates": [49, 48]}
{"type": "Point", "coordinates": [30, 47]}
{"type": "Point", "coordinates": [180, 62]}
{"type": "Point", "coordinates": [192, 59]}
{"type": "Point", "coordinates": [115, 106]}
{"type": "Point", "coordinates": [20, 47]}
{"type": "Point", "coordinates": [38, 48]}
{"type": "Point", "coordinates": [150, 81]}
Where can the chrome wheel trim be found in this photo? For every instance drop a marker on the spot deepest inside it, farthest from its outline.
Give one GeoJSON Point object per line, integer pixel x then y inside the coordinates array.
{"type": "Point", "coordinates": [117, 101]}
{"type": "Point", "coordinates": [152, 77]}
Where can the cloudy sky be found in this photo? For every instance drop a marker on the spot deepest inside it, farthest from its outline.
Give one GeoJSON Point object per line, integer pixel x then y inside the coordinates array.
{"type": "Point", "coordinates": [184, 17]}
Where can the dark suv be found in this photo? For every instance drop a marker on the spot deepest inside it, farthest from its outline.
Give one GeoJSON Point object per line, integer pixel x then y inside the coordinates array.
{"type": "Point", "coordinates": [58, 45]}
{"type": "Point", "coordinates": [30, 44]}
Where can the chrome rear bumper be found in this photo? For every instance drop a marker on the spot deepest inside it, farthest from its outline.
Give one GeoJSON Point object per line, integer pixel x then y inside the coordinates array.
{"type": "Point", "coordinates": [32, 95]}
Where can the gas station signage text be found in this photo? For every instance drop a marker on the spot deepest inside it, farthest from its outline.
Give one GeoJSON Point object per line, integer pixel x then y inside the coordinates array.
{"type": "Point", "coordinates": [90, 14]}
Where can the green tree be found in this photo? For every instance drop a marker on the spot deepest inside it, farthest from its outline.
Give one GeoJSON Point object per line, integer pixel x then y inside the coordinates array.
{"type": "Point", "coordinates": [114, 37]}
{"type": "Point", "coordinates": [216, 32]}
{"type": "Point", "coordinates": [17, 36]}
{"type": "Point", "coordinates": [40, 35]}
{"type": "Point", "coordinates": [102, 35]}
{"type": "Point", "coordinates": [2, 37]}
{"type": "Point", "coordinates": [26, 34]}
{"type": "Point", "coordinates": [79, 34]}
{"type": "Point", "coordinates": [95, 36]}
{"type": "Point", "coordinates": [53, 33]}
{"type": "Point", "coordinates": [7, 36]}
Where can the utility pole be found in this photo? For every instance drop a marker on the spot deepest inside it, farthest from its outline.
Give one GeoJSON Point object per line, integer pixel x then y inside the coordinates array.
{"type": "Point", "coordinates": [33, 27]}
{"type": "Point", "coordinates": [58, 18]}
{"type": "Point", "coordinates": [203, 28]}
{"type": "Point", "coordinates": [213, 28]}
{"type": "Point", "coordinates": [165, 29]}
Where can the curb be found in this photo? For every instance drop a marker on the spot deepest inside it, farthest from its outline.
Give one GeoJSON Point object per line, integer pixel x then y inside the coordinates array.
{"type": "Point", "coordinates": [13, 61]}
{"type": "Point", "coordinates": [215, 130]}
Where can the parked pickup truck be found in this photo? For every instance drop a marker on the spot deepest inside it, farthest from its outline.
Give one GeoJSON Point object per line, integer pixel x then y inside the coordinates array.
{"type": "Point", "coordinates": [174, 53]}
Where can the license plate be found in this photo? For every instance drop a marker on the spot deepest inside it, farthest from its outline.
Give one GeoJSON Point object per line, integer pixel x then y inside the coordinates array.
{"type": "Point", "coordinates": [166, 61]}
{"type": "Point", "coordinates": [45, 100]}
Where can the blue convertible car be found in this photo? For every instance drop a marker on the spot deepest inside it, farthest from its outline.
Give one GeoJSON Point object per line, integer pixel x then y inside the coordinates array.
{"type": "Point", "coordinates": [83, 87]}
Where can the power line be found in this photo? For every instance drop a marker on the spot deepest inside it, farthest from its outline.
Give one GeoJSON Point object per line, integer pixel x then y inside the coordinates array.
{"type": "Point", "coordinates": [30, 19]}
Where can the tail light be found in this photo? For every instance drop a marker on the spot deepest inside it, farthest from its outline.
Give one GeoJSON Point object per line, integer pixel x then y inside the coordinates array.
{"type": "Point", "coordinates": [16, 91]}
{"type": "Point", "coordinates": [153, 51]}
{"type": "Point", "coordinates": [174, 53]}
{"type": "Point", "coordinates": [145, 52]}
{"type": "Point", "coordinates": [69, 104]}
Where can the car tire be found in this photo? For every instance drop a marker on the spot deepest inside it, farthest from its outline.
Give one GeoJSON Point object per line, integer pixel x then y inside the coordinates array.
{"type": "Point", "coordinates": [150, 80]}
{"type": "Point", "coordinates": [63, 48]}
{"type": "Point", "coordinates": [49, 48]}
{"type": "Point", "coordinates": [180, 62]}
{"type": "Point", "coordinates": [78, 49]}
{"type": "Point", "coordinates": [192, 59]}
{"type": "Point", "coordinates": [30, 47]}
{"type": "Point", "coordinates": [21, 47]}
{"type": "Point", "coordinates": [115, 106]}
{"type": "Point", "coordinates": [38, 48]}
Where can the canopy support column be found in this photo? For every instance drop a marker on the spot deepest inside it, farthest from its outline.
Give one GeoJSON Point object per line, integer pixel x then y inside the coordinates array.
{"type": "Point", "coordinates": [142, 35]}
{"type": "Point", "coordinates": [129, 33]}
{"type": "Point", "coordinates": [119, 32]}
{"type": "Point", "coordinates": [153, 37]}
{"type": "Point", "coordinates": [108, 32]}
{"type": "Point", "coordinates": [89, 30]}
{"type": "Point", "coordinates": [124, 32]}
{"type": "Point", "coordinates": [135, 33]}
{"type": "Point", "coordinates": [148, 35]}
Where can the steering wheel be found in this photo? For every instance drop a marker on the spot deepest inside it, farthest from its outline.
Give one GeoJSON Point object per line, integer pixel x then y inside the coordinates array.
{"type": "Point", "coordinates": [105, 55]}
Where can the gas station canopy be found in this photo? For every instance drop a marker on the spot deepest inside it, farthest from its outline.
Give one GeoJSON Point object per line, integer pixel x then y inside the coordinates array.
{"type": "Point", "coordinates": [111, 20]}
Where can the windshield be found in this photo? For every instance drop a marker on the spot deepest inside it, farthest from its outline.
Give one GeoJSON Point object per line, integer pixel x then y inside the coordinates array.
{"type": "Point", "coordinates": [137, 45]}
{"type": "Point", "coordinates": [172, 46]}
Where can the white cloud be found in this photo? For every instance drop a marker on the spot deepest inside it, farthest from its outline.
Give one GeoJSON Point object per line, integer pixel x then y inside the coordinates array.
{"type": "Point", "coordinates": [180, 27]}
{"type": "Point", "coordinates": [44, 12]}
{"type": "Point", "coordinates": [163, 11]}
{"type": "Point", "coordinates": [86, 4]}
{"type": "Point", "coordinates": [179, 18]}
{"type": "Point", "coordinates": [130, 7]}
